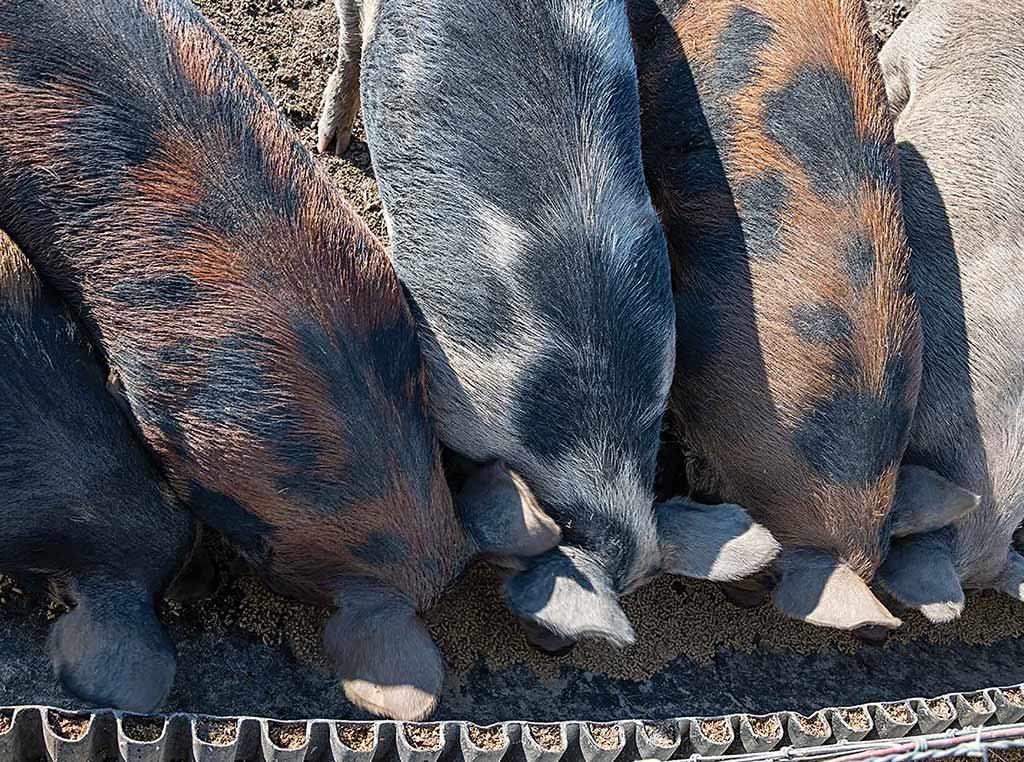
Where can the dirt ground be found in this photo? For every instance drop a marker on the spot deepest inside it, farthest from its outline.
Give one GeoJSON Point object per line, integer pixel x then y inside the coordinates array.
{"type": "Point", "coordinates": [886, 15]}
{"type": "Point", "coordinates": [249, 652]}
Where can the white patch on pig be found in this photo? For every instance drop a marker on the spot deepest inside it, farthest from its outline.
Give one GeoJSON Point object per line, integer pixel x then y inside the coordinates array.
{"type": "Point", "coordinates": [503, 239]}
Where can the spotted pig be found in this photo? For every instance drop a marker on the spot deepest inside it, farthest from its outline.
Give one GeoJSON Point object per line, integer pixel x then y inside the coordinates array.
{"type": "Point", "coordinates": [955, 76]}
{"type": "Point", "coordinates": [770, 156]}
{"type": "Point", "coordinates": [256, 327]}
{"type": "Point", "coordinates": [81, 504]}
{"type": "Point", "coordinates": [506, 143]}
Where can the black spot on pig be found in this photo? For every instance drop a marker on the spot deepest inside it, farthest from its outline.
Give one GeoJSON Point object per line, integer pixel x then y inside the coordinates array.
{"type": "Point", "coordinates": [858, 256]}
{"type": "Point", "coordinates": [305, 481]}
{"type": "Point", "coordinates": [830, 150]}
{"type": "Point", "coordinates": [826, 324]}
{"type": "Point", "coordinates": [540, 407]}
{"type": "Point", "coordinates": [895, 381]}
{"type": "Point", "coordinates": [852, 437]}
{"type": "Point", "coordinates": [160, 370]}
{"type": "Point", "coordinates": [357, 398]}
{"type": "Point", "coordinates": [627, 332]}
{"type": "Point", "coordinates": [430, 566]}
{"type": "Point", "coordinates": [235, 391]}
{"type": "Point", "coordinates": [26, 204]}
{"type": "Point", "coordinates": [763, 201]}
{"type": "Point", "coordinates": [494, 328]}
{"type": "Point", "coordinates": [883, 159]}
{"type": "Point", "coordinates": [116, 142]}
{"type": "Point", "coordinates": [741, 42]}
{"type": "Point", "coordinates": [381, 549]}
{"type": "Point", "coordinates": [166, 292]}
{"type": "Point", "coordinates": [895, 377]}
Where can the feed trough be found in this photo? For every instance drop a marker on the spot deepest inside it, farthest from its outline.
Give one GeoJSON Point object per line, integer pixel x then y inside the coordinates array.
{"type": "Point", "coordinates": [965, 722]}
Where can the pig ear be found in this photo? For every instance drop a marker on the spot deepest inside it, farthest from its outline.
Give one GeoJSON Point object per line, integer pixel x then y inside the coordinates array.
{"type": "Point", "coordinates": [1011, 581]}
{"type": "Point", "coordinates": [501, 515]}
{"type": "Point", "coordinates": [919, 572]}
{"type": "Point", "coordinates": [925, 502]}
{"type": "Point", "coordinates": [817, 589]}
{"type": "Point", "coordinates": [568, 593]}
{"type": "Point", "coordinates": [111, 650]}
{"type": "Point", "coordinates": [716, 542]}
{"type": "Point", "coordinates": [383, 654]}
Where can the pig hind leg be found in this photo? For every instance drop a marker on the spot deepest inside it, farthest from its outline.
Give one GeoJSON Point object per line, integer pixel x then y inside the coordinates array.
{"type": "Point", "coordinates": [341, 96]}
{"type": "Point", "coordinates": [110, 649]}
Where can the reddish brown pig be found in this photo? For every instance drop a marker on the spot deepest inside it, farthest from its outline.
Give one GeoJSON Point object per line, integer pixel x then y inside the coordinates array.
{"type": "Point", "coordinates": [257, 328]}
{"type": "Point", "coordinates": [770, 155]}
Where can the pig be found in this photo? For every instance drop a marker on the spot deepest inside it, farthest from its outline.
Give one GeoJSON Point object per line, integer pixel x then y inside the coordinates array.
{"type": "Point", "coordinates": [769, 152]}
{"type": "Point", "coordinates": [254, 325]}
{"type": "Point", "coordinates": [954, 72]}
{"type": "Point", "coordinates": [505, 140]}
{"type": "Point", "coordinates": [83, 505]}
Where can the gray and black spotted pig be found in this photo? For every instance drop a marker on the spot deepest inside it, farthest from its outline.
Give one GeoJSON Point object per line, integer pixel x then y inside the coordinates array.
{"type": "Point", "coordinates": [82, 506]}
{"type": "Point", "coordinates": [769, 152]}
{"type": "Point", "coordinates": [256, 327]}
{"type": "Point", "coordinates": [955, 75]}
{"type": "Point", "coordinates": [505, 137]}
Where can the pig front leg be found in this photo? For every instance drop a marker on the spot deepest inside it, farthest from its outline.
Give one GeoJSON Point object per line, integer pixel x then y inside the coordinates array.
{"type": "Point", "coordinates": [341, 97]}
{"type": "Point", "coordinates": [110, 649]}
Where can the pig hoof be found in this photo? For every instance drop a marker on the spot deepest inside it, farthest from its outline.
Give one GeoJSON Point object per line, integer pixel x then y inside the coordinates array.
{"type": "Point", "coordinates": [745, 597]}
{"type": "Point", "coordinates": [336, 143]}
{"type": "Point", "coordinates": [872, 634]}
{"type": "Point", "coordinates": [340, 108]}
{"type": "Point", "coordinates": [126, 664]}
